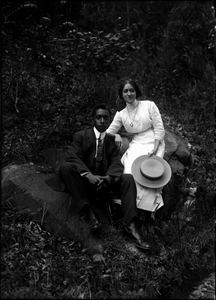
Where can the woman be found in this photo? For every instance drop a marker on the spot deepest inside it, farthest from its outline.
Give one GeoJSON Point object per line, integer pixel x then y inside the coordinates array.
{"type": "Point", "coordinates": [143, 120]}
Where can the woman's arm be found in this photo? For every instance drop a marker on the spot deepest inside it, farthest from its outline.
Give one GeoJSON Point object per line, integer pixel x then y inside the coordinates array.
{"type": "Point", "coordinates": [157, 122]}
{"type": "Point", "coordinates": [114, 128]}
{"type": "Point", "coordinates": [156, 145]}
{"type": "Point", "coordinates": [158, 126]}
{"type": "Point", "coordinates": [118, 139]}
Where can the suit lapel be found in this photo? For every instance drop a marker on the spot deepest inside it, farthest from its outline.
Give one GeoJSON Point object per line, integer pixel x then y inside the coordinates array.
{"type": "Point", "coordinates": [91, 139]}
{"type": "Point", "coordinates": [90, 144]}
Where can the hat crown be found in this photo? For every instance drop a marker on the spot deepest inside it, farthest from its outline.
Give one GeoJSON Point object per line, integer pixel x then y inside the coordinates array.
{"type": "Point", "coordinates": [152, 168]}
{"type": "Point", "coordinates": [147, 182]}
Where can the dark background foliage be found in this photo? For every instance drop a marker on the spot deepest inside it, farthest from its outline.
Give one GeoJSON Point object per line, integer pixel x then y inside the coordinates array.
{"type": "Point", "coordinates": [60, 58]}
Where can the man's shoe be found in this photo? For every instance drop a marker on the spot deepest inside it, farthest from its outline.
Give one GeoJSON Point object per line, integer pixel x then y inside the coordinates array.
{"type": "Point", "coordinates": [132, 230]}
{"type": "Point", "coordinates": [93, 220]}
{"type": "Point", "coordinates": [117, 214]}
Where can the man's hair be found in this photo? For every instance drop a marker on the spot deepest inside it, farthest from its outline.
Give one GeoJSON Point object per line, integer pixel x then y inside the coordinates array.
{"type": "Point", "coordinates": [100, 106]}
{"type": "Point", "coordinates": [131, 82]}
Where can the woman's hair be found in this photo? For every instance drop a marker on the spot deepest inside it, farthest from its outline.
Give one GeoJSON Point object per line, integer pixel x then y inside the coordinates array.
{"type": "Point", "coordinates": [134, 85]}
{"type": "Point", "coordinates": [100, 106]}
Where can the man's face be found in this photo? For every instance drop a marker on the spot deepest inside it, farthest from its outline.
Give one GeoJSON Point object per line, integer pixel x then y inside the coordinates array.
{"type": "Point", "coordinates": [101, 119]}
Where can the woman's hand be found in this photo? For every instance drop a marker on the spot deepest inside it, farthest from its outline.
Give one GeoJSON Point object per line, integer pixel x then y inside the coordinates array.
{"type": "Point", "coordinates": [154, 151]}
{"type": "Point", "coordinates": [118, 141]}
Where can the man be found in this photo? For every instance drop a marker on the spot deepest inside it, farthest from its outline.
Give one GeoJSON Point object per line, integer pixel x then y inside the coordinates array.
{"type": "Point", "coordinates": [89, 174]}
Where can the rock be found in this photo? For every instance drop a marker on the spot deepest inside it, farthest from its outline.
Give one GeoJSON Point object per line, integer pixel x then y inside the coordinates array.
{"type": "Point", "coordinates": [176, 151]}
{"type": "Point", "coordinates": [180, 160]}
{"type": "Point", "coordinates": [25, 186]}
{"type": "Point", "coordinates": [176, 154]}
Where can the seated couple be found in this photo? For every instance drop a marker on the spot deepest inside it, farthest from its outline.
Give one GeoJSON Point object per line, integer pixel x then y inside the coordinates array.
{"type": "Point", "coordinates": [90, 173]}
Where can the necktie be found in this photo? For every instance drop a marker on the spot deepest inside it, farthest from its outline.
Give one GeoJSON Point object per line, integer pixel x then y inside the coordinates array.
{"type": "Point", "coordinates": [99, 154]}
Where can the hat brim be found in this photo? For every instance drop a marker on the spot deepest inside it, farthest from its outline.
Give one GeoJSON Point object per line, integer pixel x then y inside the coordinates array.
{"type": "Point", "coordinates": [142, 180]}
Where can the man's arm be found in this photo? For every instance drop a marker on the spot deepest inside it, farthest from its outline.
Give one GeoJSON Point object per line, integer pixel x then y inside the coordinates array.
{"type": "Point", "coordinates": [115, 167]}
{"type": "Point", "coordinates": [75, 154]}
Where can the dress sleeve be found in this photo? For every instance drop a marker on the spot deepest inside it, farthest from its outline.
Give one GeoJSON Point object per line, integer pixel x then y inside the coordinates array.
{"type": "Point", "coordinates": [157, 122]}
{"type": "Point", "coordinates": [116, 124]}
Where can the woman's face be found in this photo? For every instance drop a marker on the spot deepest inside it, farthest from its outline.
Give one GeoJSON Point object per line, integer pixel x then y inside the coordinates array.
{"type": "Point", "coordinates": [128, 93]}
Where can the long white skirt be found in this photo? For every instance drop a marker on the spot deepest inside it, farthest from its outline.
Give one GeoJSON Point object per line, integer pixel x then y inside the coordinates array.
{"type": "Point", "coordinates": [147, 198]}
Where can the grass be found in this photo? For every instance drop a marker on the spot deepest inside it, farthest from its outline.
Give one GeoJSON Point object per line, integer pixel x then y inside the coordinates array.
{"type": "Point", "coordinates": [36, 264]}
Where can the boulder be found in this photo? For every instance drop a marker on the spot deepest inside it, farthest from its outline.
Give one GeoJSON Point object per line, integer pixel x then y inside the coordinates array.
{"type": "Point", "coordinates": [25, 186]}
{"type": "Point", "coordinates": [177, 155]}
{"type": "Point", "coordinates": [180, 159]}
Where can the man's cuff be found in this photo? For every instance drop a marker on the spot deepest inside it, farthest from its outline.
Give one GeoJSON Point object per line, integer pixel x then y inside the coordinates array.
{"type": "Point", "coordinates": [109, 179]}
{"type": "Point", "coordinates": [84, 174]}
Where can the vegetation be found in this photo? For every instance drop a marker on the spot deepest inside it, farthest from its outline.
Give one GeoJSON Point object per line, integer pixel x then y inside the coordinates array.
{"type": "Point", "coordinates": [59, 58]}
{"type": "Point", "coordinates": [38, 265]}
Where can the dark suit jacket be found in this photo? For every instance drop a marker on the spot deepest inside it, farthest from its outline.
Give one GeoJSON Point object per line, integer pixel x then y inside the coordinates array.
{"type": "Point", "coordinates": [82, 155]}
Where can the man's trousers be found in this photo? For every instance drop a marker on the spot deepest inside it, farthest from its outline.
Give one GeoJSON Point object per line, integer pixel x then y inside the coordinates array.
{"type": "Point", "coordinates": [83, 192]}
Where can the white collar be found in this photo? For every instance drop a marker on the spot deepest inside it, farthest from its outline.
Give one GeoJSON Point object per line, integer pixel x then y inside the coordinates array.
{"type": "Point", "coordinates": [97, 134]}
{"type": "Point", "coordinates": [132, 106]}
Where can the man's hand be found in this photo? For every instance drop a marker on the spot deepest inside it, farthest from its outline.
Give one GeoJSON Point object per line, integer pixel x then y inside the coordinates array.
{"type": "Point", "coordinates": [108, 179]}
{"type": "Point", "coordinates": [94, 179]}
{"type": "Point", "coordinates": [99, 181]}
{"type": "Point", "coordinates": [104, 183]}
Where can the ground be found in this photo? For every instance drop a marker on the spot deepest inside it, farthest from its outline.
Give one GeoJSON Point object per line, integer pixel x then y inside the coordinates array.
{"type": "Point", "coordinates": [205, 290]}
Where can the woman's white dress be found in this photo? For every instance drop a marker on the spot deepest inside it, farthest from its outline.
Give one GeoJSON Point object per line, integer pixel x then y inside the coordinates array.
{"type": "Point", "coordinates": [147, 126]}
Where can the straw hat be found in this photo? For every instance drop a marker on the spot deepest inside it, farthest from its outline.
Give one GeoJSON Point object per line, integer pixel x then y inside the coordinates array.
{"type": "Point", "coordinates": [151, 171]}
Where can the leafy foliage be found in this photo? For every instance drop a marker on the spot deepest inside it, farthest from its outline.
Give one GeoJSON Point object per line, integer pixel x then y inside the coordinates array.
{"type": "Point", "coordinates": [59, 58]}
{"type": "Point", "coordinates": [36, 264]}
{"type": "Point", "coordinates": [58, 64]}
